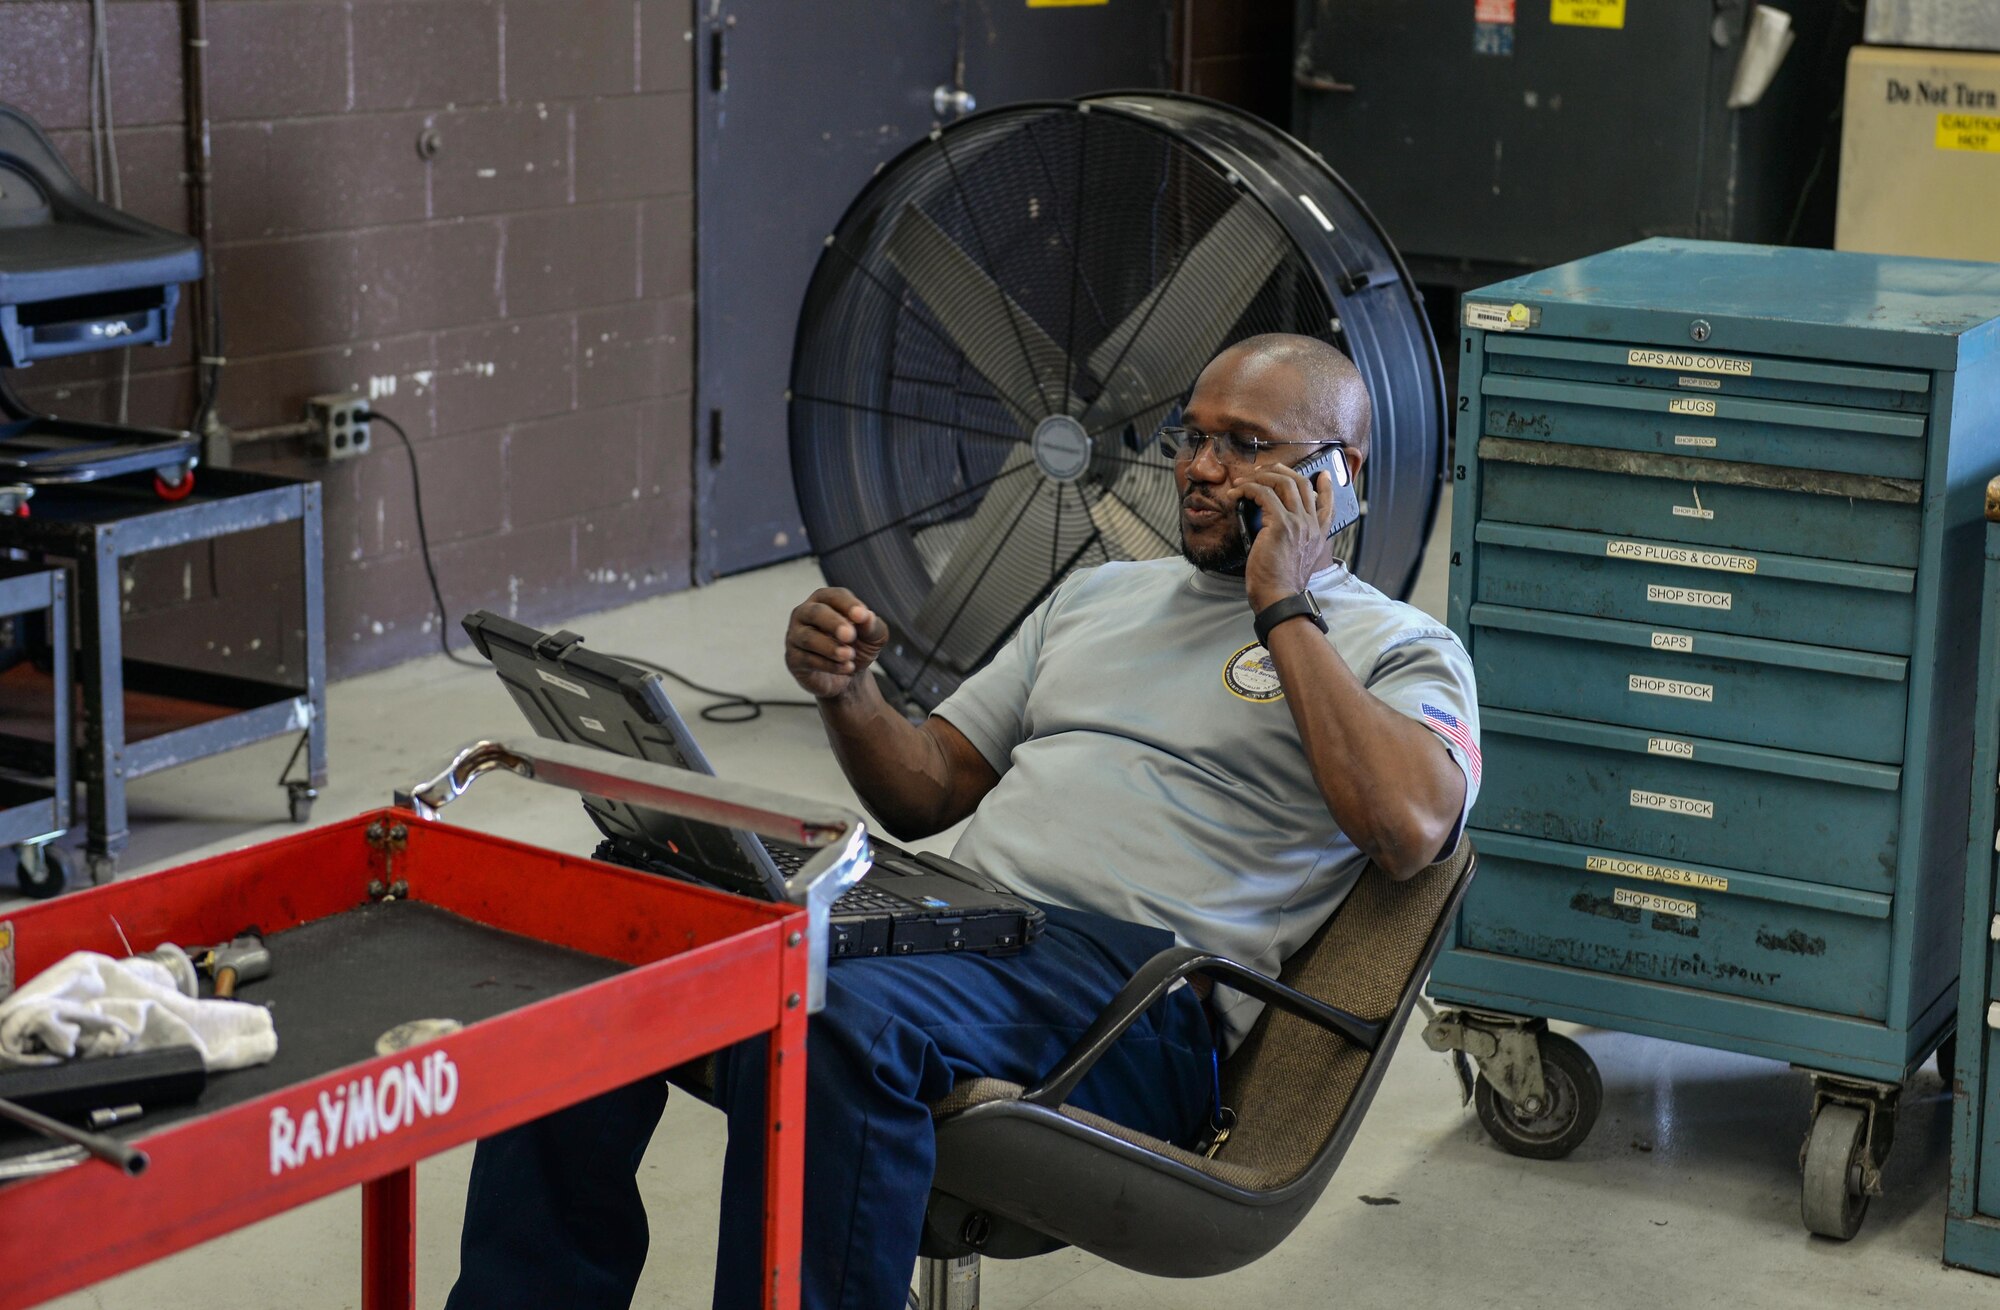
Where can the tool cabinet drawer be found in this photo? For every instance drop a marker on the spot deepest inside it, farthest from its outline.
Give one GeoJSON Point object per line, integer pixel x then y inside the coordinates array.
{"type": "Point", "coordinates": [1779, 432]}
{"type": "Point", "coordinates": [1749, 507]}
{"type": "Point", "coordinates": [1704, 928]}
{"type": "Point", "coordinates": [1698, 372]}
{"type": "Point", "coordinates": [1767, 693]}
{"type": "Point", "coordinates": [1762, 594]}
{"type": "Point", "coordinates": [1806, 817]}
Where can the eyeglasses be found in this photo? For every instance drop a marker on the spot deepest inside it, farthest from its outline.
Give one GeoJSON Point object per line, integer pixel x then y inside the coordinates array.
{"type": "Point", "coordinates": [1186, 444]}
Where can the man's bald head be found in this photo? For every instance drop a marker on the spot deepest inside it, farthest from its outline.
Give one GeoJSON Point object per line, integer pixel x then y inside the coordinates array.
{"type": "Point", "coordinates": [1303, 385]}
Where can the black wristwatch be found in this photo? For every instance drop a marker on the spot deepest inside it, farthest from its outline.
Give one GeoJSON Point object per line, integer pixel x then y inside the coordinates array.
{"type": "Point", "coordinates": [1299, 604]}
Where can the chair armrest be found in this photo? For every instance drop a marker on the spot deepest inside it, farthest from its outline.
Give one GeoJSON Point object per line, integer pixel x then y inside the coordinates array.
{"type": "Point", "coordinates": [1151, 982]}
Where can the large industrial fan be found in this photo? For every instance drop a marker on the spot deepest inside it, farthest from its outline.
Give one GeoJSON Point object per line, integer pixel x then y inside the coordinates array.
{"type": "Point", "coordinates": [1011, 309]}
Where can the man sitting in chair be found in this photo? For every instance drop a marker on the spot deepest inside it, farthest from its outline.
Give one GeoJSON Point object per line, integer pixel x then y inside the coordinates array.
{"type": "Point", "coordinates": [1205, 750]}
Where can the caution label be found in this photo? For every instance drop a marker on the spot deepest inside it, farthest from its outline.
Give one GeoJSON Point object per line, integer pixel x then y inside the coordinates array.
{"type": "Point", "coordinates": [1979, 132]}
{"type": "Point", "coordinates": [1588, 13]}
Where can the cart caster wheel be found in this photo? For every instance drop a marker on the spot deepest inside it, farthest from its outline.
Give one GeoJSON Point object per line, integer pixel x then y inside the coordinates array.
{"type": "Point", "coordinates": [1832, 1201]}
{"type": "Point", "coordinates": [301, 799]}
{"type": "Point", "coordinates": [1575, 1094]}
{"type": "Point", "coordinates": [1947, 1059]}
{"type": "Point", "coordinates": [103, 868]}
{"type": "Point", "coordinates": [44, 871]}
{"type": "Point", "coordinates": [174, 490]}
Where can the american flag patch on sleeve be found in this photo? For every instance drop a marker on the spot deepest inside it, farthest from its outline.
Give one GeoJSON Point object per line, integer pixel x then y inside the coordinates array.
{"type": "Point", "coordinates": [1449, 727]}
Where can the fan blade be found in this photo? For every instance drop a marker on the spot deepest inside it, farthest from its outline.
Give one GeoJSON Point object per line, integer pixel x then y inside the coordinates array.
{"type": "Point", "coordinates": [1160, 346]}
{"type": "Point", "coordinates": [1126, 531]}
{"type": "Point", "coordinates": [1000, 558]}
{"type": "Point", "coordinates": [1004, 345]}
{"type": "Point", "coordinates": [1120, 488]}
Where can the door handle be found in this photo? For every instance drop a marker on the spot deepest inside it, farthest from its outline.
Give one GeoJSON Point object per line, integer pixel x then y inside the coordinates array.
{"type": "Point", "coordinates": [956, 101]}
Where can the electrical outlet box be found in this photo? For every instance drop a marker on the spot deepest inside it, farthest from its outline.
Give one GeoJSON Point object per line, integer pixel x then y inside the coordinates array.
{"type": "Point", "coordinates": [340, 427]}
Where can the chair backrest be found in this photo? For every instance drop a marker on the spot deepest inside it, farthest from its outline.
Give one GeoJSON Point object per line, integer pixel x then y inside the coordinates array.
{"type": "Point", "coordinates": [1291, 1083]}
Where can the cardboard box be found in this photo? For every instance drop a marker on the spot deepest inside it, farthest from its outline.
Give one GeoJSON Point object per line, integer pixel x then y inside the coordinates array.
{"type": "Point", "coordinates": [1920, 154]}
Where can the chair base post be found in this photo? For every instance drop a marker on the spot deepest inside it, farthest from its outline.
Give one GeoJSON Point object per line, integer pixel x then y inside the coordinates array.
{"type": "Point", "coordinates": [947, 1284]}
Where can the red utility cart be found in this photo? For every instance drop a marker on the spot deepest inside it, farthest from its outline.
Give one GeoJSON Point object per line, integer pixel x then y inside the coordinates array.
{"type": "Point", "coordinates": [571, 978]}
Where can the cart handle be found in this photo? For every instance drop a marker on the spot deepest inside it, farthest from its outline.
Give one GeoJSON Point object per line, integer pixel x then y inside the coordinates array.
{"type": "Point", "coordinates": [838, 837]}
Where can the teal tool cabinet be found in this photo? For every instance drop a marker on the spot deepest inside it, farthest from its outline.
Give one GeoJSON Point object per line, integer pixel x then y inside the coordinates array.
{"type": "Point", "coordinates": [1972, 1219]}
{"type": "Point", "coordinates": [1716, 555]}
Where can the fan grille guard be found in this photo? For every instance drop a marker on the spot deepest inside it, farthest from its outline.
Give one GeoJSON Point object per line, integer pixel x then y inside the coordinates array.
{"type": "Point", "coordinates": [1010, 310]}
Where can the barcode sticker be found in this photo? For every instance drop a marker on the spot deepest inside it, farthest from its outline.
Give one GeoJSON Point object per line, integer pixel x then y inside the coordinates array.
{"type": "Point", "coordinates": [573, 688]}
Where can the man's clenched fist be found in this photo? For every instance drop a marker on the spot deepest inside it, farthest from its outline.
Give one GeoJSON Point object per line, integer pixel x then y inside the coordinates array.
{"type": "Point", "coordinates": [832, 640]}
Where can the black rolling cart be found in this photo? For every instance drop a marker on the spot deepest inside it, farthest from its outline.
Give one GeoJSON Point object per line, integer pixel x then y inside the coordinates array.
{"type": "Point", "coordinates": [141, 716]}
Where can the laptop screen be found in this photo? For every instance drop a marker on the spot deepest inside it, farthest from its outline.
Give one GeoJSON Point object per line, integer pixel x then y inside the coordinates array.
{"type": "Point", "coordinates": [576, 695]}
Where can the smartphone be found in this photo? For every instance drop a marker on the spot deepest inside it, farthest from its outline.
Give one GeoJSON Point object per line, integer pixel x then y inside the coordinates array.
{"type": "Point", "coordinates": [1346, 505]}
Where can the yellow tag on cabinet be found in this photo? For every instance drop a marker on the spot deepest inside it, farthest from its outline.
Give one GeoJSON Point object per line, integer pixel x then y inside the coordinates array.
{"type": "Point", "coordinates": [1588, 13]}
{"type": "Point", "coordinates": [1968, 132]}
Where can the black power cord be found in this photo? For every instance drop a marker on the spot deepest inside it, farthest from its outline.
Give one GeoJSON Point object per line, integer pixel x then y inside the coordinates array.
{"type": "Point", "coordinates": [731, 707]}
{"type": "Point", "coordinates": [424, 540]}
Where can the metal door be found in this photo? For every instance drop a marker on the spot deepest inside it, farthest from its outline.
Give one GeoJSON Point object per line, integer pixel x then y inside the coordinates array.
{"type": "Point", "coordinates": [799, 104]}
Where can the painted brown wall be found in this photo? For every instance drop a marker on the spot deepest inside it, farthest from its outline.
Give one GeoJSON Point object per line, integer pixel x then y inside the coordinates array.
{"type": "Point", "coordinates": [522, 303]}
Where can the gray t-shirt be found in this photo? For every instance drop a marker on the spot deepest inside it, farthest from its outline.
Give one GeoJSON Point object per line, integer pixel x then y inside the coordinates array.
{"type": "Point", "coordinates": [1150, 769]}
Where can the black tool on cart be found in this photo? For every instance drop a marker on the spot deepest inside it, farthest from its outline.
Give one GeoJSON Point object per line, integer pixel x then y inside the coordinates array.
{"type": "Point", "coordinates": [78, 276]}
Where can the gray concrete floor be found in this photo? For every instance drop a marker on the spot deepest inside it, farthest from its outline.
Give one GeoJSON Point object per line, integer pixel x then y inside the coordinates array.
{"type": "Point", "coordinates": [1685, 1195]}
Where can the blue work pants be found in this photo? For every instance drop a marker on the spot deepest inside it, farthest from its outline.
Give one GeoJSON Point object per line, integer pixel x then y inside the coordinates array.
{"type": "Point", "coordinates": [553, 1215]}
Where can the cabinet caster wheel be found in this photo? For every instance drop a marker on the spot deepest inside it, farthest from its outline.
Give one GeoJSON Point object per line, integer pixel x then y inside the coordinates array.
{"type": "Point", "coordinates": [103, 868]}
{"type": "Point", "coordinates": [301, 798]}
{"type": "Point", "coordinates": [1575, 1093]}
{"type": "Point", "coordinates": [43, 871]}
{"type": "Point", "coordinates": [1832, 1198]}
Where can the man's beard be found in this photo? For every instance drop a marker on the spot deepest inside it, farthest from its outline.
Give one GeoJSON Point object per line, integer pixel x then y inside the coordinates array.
{"type": "Point", "coordinates": [1230, 556]}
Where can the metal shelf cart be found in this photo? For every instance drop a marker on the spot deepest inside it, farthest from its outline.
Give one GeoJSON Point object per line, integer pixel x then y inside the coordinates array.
{"type": "Point", "coordinates": [1715, 552]}
{"type": "Point", "coordinates": [138, 716]}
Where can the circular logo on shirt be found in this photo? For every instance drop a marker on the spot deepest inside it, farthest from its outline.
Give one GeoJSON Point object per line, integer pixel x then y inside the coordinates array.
{"type": "Point", "coordinates": [1250, 675]}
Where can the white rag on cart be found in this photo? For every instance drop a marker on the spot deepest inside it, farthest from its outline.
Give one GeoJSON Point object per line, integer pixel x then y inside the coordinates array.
{"type": "Point", "coordinates": [88, 1004]}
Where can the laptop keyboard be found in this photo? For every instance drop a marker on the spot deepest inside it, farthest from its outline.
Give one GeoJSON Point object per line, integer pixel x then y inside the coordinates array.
{"type": "Point", "coordinates": [789, 859]}
{"type": "Point", "coordinates": [863, 899]}
{"type": "Point", "coordinates": [858, 899]}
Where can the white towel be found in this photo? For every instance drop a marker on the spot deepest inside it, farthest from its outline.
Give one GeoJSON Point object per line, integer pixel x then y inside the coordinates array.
{"type": "Point", "coordinates": [88, 1004]}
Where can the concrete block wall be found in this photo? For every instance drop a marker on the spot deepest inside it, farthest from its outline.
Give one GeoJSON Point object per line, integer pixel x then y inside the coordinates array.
{"type": "Point", "coordinates": [522, 301]}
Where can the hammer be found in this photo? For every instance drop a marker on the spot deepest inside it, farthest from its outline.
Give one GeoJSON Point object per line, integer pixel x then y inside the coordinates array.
{"type": "Point", "coordinates": [242, 959]}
